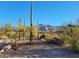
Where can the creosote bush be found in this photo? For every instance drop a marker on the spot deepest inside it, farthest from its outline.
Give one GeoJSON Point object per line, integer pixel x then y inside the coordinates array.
{"type": "Point", "coordinates": [71, 36]}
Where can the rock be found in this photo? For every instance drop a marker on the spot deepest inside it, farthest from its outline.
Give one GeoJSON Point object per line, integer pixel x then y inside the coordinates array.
{"type": "Point", "coordinates": [43, 40]}
{"type": "Point", "coordinates": [7, 47]}
{"type": "Point", "coordinates": [1, 51]}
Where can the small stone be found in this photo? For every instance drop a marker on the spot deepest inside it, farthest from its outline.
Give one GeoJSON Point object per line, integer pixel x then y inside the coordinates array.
{"type": "Point", "coordinates": [1, 50]}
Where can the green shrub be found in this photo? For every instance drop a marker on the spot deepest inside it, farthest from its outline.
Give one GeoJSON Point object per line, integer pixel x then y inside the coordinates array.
{"type": "Point", "coordinates": [71, 36]}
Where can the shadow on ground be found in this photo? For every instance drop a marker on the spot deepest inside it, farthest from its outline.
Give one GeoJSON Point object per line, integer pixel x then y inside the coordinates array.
{"type": "Point", "coordinates": [44, 53]}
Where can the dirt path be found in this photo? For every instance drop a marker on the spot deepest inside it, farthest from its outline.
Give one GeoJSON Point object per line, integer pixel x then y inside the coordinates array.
{"type": "Point", "coordinates": [41, 51]}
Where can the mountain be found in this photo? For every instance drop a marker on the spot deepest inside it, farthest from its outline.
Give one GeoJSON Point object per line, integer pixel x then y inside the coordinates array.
{"type": "Point", "coordinates": [44, 28]}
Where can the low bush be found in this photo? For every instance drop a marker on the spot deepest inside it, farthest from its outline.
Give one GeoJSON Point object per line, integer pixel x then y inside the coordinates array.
{"type": "Point", "coordinates": [71, 36]}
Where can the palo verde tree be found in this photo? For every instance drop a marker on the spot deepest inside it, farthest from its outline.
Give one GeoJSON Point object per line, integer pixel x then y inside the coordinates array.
{"type": "Point", "coordinates": [36, 32]}
{"type": "Point", "coordinates": [21, 29]}
{"type": "Point", "coordinates": [8, 30]}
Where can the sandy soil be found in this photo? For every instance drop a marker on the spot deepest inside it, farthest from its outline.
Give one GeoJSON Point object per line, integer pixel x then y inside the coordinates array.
{"type": "Point", "coordinates": [40, 51]}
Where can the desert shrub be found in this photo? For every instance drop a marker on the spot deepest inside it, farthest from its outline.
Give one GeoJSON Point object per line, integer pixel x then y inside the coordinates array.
{"type": "Point", "coordinates": [53, 38]}
{"type": "Point", "coordinates": [14, 41]}
{"type": "Point", "coordinates": [49, 35]}
{"type": "Point", "coordinates": [71, 36]}
{"type": "Point", "coordinates": [55, 41]}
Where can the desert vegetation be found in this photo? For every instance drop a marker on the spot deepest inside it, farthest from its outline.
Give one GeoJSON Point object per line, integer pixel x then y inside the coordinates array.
{"type": "Point", "coordinates": [67, 36]}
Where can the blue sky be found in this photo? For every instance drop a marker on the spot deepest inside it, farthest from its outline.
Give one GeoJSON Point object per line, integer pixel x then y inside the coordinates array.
{"type": "Point", "coordinates": [52, 13]}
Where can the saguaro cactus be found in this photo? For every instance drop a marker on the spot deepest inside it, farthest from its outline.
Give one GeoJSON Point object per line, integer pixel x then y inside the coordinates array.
{"type": "Point", "coordinates": [31, 24]}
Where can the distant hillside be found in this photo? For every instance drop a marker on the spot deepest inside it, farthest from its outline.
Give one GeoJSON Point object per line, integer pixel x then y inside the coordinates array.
{"type": "Point", "coordinates": [43, 28]}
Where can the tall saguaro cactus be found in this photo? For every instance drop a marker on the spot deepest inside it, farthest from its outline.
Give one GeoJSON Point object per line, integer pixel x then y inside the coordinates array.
{"type": "Point", "coordinates": [20, 22]}
{"type": "Point", "coordinates": [31, 36]}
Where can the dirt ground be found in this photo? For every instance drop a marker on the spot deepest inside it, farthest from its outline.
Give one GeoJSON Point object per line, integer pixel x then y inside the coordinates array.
{"type": "Point", "coordinates": [40, 51]}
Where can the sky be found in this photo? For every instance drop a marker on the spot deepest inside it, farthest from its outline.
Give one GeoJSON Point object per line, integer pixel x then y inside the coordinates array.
{"type": "Point", "coordinates": [53, 13]}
